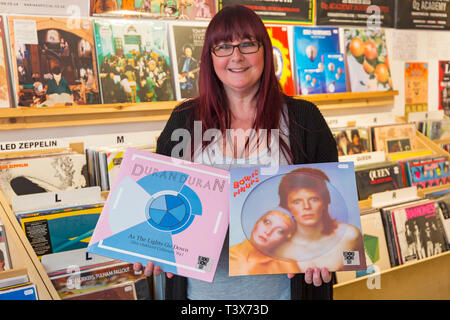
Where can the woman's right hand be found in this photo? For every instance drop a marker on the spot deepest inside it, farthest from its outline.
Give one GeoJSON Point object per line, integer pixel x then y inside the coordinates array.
{"type": "Point", "coordinates": [150, 269]}
{"type": "Point", "coordinates": [317, 276]}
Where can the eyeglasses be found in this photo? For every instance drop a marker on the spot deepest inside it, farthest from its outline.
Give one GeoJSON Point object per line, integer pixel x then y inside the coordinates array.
{"type": "Point", "coordinates": [246, 47]}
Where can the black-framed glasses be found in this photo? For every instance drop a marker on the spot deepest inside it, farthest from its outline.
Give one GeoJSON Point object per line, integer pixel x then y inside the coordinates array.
{"type": "Point", "coordinates": [246, 47]}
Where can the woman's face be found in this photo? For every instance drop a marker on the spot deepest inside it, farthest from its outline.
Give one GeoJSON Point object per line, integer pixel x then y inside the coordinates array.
{"type": "Point", "coordinates": [239, 73]}
{"type": "Point", "coordinates": [269, 232]}
{"type": "Point", "coordinates": [306, 205]}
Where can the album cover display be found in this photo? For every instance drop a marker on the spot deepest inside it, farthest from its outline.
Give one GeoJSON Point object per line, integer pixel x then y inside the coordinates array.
{"type": "Point", "coordinates": [335, 76]}
{"type": "Point", "coordinates": [444, 86]}
{"type": "Point", "coordinates": [62, 229]}
{"type": "Point", "coordinates": [25, 291]}
{"type": "Point", "coordinates": [282, 59]}
{"type": "Point", "coordinates": [187, 45]}
{"type": "Point", "coordinates": [367, 60]}
{"type": "Point", "coordinates": [13, 280]}
{"type": "Point", "coordinates": [394, 138]}
{"type": "Point", "coordinates": [378, 177]}
{"type": "Point", "coordinates": [104, 163]}
{"type": "Point", "coordinates": [90, 280]}
{"type": "Point", "coordinates": [413, 14]}
{"type": "Point", "coordinates": [271, 209]}
{"type": "Point", "coordinates": [166, 9]}
{"type": "Point", "coordinates": [389, 228]}
{"type": "Point", "coordinates": [435, 129]}
{"type": "Point", "coordinates": [416, 87]}
{"type": "Point", "coordinates": [42, 174]}
{"type": "Point", "coordinates": [375, 247]}
{"type": "Point", "coordinates": [390, 236]}
{"type": "Point", "coordinates": [352, 140]}
{"type": "Point", "coordinates": [418, 232]}
{"type": "Point", "coordinates": [442, 205]}
{"type": "Point", "coordinates": [166, 210]}
{"type": "Point", "coordinates": [114, 159]}
{"type": "Point", "coordinates": [133, 60]}
{"type": "Point", "coordinates": [311, 45]}
{"type": "Point", "coordinates": [401, 157]}
{"type": "Point", "coordinates": [122, 291]}
{"type": "Point", "coordinates": [5, 85]}
{"type": "Point", "coordinates": [403, 162]}
{"type": "Point", "coordinates": [197, 9]}
{"type": "Point", "coordinates": [53, 61]}
{"type": "Point", "coordinates": [46, 7]}
{"type": "Point", "coordinates": [373, 13]}
{"type": "Point", "coordinates": [428, 171]}
{"type": "Point", "coordinates": [274, 11]}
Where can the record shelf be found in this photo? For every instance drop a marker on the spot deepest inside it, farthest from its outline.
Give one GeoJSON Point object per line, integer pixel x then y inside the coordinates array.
{"type": "Point", "coordinates": [23, 257]}
{"type": "Point", "coordinates": [45, 117]}
{"type": "Point", "coordinates": [425, 279]}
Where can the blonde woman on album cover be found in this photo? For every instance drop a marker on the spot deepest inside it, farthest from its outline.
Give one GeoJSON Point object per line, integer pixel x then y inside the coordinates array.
{"type": "Point", "coordinates": [319, 240]}
{"type": "Point", "coordinates": [255, 255]}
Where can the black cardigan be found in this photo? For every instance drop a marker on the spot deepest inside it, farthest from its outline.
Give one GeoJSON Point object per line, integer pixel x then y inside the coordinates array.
{"type": "Point", "coordinates": [310, 141]}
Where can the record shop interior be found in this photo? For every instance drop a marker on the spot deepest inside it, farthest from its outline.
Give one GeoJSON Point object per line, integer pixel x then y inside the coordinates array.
{"type": "Point", "coordinates": [87, 87]}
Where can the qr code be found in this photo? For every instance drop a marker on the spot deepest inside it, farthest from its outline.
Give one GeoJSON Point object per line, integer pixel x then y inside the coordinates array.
{"type": "Point", "coordinates": [204, 263]}
{"type": "Point", "coordinates": [351, 258]}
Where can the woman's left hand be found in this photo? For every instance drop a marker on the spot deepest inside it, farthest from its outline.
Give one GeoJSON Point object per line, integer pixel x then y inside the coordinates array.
{"type": "Point", "coordinates": [315, 276]}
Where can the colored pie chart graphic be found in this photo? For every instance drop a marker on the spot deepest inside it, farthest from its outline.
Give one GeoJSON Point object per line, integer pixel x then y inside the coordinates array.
{"type": "Point", "coordinates": [169, 212]}
{"type": "Point", "coordinates": [172, 205]}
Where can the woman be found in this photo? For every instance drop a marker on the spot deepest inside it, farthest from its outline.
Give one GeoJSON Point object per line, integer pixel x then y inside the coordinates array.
{"type": "Point", "coordinates": [238, 89]}
{"type": "Point", "coordinates": [320, 240]}
{"type": "Point", "coordinates": [257, 255]}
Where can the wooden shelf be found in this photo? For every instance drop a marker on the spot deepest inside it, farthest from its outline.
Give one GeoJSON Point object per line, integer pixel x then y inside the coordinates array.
{"type": "Point", "coordinates": [442, 141]}
{"type": "Point", "coordinates": [347, 100]}
{"type": "Point", "coordinates": [426, 279]}
{"type": "Point", "coordinates": [27, 118]}
{"type": "Point", "coordinates": [23, 255]}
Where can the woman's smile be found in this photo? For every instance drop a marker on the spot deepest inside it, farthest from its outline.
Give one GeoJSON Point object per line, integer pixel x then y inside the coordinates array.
{"type": "Point", "coordinates": [238, 70]}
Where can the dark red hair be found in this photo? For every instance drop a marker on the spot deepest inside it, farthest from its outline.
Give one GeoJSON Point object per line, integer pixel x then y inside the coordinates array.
{"type": "Point", "coordinates": [233, 23]}
{"type": "Point", "coordinates": [310, 178]}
